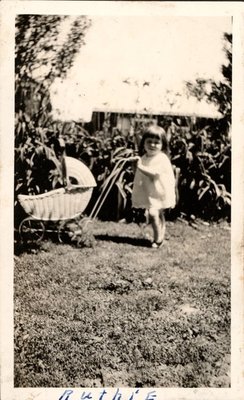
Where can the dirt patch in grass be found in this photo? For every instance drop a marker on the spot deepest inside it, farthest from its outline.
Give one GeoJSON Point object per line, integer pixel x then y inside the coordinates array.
{"type": "Point", "coordinates": [123, 314]}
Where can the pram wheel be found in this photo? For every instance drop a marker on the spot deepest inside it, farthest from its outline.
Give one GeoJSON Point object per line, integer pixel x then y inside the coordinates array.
{"type": "Point", "coordinates": [67, 230]}
{"type": "Point", "coordinates": [31, 230]}
{"type": "Point", "coordinates": [72, 229]}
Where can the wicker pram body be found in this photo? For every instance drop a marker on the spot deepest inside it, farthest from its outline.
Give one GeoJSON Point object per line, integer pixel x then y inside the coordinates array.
{"type": "Point", "coordinates": [57, 205]}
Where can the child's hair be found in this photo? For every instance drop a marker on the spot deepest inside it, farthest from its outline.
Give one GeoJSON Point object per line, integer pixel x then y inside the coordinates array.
{"type": "Point", "coordinates": [154, 131]}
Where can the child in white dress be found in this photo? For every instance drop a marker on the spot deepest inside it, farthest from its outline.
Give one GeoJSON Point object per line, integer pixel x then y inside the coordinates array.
{"type": "Point", "coordinates": [154, 182]}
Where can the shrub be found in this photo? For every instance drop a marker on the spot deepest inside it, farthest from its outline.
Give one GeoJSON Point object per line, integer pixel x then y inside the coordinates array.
{"type": "Point", "coordinates": [202, 155]}
{"type": "Point", "coordinates": [204, 159]}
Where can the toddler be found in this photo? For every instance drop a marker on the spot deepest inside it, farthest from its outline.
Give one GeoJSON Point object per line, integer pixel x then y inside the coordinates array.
{"type": "Point", "coordinates": [154, 182]}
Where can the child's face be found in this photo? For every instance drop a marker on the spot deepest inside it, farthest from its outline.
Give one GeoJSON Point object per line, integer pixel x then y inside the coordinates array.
{"type": "Point", "coordinates": [152, 146]}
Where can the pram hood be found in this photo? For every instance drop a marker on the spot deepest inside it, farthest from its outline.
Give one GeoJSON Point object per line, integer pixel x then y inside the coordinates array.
{"type": "Point", "coordinates": [79, 173]}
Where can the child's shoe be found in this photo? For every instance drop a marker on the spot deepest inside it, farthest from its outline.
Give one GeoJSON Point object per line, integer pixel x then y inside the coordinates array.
{"type": "Point", "coordinates": [157, 245]}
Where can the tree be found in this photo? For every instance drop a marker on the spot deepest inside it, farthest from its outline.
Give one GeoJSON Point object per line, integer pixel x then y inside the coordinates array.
{"type": "Point", "coordinates": [219, 93]}
{"type": "Point", "coordinates": [40, 49]}
{"type": "Point", "coordinates": [45, 48]}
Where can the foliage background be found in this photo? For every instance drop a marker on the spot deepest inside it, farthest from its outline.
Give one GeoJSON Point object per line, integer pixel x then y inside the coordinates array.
{"type": "Point", "coordinates": [203, 153]}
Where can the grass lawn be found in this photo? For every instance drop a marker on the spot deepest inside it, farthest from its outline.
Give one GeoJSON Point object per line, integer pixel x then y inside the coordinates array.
{"type": "Point", "coordinates": [122, 314]}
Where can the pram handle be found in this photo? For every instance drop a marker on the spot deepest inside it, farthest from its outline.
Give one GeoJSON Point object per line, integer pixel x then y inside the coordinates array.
{"type": "Point", "coordinates": [110, 180]}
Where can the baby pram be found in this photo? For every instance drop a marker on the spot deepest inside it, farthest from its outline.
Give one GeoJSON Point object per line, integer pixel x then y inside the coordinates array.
{"type": "Point", "coordinates": [58, 205]}
{"type": "Point", "coordinates": [65, 205]}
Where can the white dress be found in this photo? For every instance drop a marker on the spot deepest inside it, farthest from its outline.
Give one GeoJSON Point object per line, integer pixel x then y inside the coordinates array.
{"type": "Point", "coordinates": [157, 192]}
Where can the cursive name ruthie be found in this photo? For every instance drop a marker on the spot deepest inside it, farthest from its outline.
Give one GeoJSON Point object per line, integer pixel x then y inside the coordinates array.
{"type": "Point", "coordinates": [104, 395]}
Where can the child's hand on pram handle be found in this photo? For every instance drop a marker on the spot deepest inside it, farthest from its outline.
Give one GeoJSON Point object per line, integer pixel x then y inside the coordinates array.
{"type": "Point", "coordinates": [134, 158]}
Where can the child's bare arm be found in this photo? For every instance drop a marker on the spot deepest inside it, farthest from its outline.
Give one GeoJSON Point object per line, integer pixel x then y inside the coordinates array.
{"type": "Point", "coordinates": [145, 170]}
{"type": "Point", "coordinates": [150, 172]}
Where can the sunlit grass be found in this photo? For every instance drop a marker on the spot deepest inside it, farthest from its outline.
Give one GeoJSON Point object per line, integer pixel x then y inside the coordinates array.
{"type": "Point", "coordinates": [123, 314]}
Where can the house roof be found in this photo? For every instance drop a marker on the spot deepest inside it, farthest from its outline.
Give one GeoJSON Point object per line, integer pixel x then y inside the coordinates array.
{"type": "Point", "coordinates": [203, 113]}
{"type": "Point", "coordinates": [181, 106]}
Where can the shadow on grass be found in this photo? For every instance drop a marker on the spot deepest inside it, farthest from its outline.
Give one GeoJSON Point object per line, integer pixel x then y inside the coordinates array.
{"type": "Point", "coordinates": [29, 248]}
{"type": "Point", "coordinates": [33, 247]}
{"type": "Point", "coordinates": [125, 239]}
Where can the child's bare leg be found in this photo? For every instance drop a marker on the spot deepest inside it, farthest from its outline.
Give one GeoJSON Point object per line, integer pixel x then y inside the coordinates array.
{"type": "Point", "coordinates": [155, 219]}
{"type": "Point", "coordinates": [163, 224]}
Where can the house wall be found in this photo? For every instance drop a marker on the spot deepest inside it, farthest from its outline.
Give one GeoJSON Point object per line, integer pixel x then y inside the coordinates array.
{"type": "Point", "coordinates": [123, 124]}
{"type": "Point", "coordinates": [128, 122]}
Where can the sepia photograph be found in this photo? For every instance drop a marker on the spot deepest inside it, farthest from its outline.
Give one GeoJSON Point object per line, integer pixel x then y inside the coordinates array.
{"type": "Point", "coordinates": [124, 257]}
